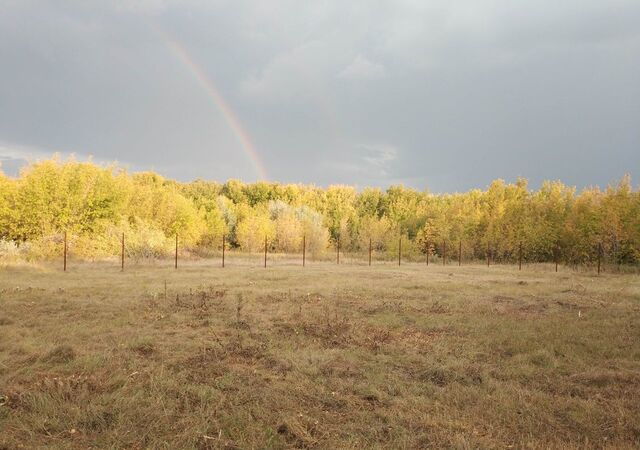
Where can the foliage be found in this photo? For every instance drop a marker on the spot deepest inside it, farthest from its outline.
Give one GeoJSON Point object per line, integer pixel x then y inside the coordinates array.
{"type": "Point", "coordinates": [95, 204]}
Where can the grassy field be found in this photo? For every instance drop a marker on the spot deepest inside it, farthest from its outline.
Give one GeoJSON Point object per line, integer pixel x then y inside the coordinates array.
{"type": "Point", "coordinates": [326, 357]}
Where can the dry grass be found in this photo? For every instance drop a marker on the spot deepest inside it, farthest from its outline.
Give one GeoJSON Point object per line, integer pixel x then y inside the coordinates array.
{"type": "Point", "coordinates": [326, 357]}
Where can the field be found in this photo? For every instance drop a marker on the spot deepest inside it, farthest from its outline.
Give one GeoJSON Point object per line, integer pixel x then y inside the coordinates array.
{"type": "Point", "coordinates": [326, 356]}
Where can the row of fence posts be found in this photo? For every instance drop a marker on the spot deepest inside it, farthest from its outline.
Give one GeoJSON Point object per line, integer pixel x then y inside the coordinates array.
{"type": "Point", "coordinates": [304, 253]}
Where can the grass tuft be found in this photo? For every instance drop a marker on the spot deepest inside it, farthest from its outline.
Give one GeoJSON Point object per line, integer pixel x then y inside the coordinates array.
{"type": "Point", "coordinates": [60, 355]}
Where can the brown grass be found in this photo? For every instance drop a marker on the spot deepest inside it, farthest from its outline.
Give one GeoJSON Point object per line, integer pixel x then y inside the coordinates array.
{"type": "Point", "coordinates": [322, 357]}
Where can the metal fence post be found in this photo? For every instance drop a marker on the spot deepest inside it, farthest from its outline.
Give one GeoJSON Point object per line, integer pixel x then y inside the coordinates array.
{"type": "Point", "coordinates": [488, 254]}
{"type": "Point", "coordinates": [427, 254]}
{"type": "Point", "coordinates": [122, 256]}
{"type": "Point", "coordinates": [599, 256]}
{"type": "Point", "coordinates": [444, 253]}
{"type": "Point", "coordinates": [520, 257]}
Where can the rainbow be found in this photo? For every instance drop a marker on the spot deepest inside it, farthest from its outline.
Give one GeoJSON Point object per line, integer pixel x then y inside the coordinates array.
{"type": "Point", "coordinates": [214, 94]}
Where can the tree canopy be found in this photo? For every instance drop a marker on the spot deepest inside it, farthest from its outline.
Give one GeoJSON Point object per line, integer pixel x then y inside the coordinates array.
{"type": "Point", "coordinates": [95, 204]}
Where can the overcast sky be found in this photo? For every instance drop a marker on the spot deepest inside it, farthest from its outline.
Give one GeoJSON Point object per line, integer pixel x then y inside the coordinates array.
{"type": "Point", "coordinates": [436, 94]}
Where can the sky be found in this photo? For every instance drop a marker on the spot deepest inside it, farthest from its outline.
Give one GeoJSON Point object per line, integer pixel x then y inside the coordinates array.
{"type": "Point", "coordinates": [433, 94]}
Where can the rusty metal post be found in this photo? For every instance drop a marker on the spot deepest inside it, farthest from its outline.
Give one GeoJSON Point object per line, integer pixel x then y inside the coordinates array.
{"type": "Point", "coordinates": [555, 255]}
{"type": "Point", "coordinates": [369, 251]}
{"type": "Point", "coordinates": [223, 245]}
{"type": "Point", "coordinates": [65, 252]}
{"type": "Point", "coordinates": [176, 262]}
{"type": "Point", "coordinates": [427, 254]}
{"type": "Point", "coordinates": [122, 255]}
{"type": "Point", "coordinates": [460, 253]}
{"type": "Point", "coordinates": [520, 257]}
{"type": "Point", "coordinates": [304, 249]}
{"type": "Point", "coordinates": [444, 253]}
{"type": "Point", "coordinates": [599, 256]}
{"type": "Point", "coordinates": [338, 251]}
{"type": "Point", "coordinates": [265, 252]}
{"type": "Point", "coordinates": [399, 249]}
{"type": "Point", "coordinates": [488, 254]}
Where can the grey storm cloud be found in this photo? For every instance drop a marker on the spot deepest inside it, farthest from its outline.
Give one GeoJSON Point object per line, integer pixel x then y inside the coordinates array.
{"type": "Point", "coordinates": [433, 94]}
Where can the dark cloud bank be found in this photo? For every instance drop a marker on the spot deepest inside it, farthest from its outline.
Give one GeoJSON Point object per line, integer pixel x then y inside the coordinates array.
{"type": "Point", "coordinates": [432, 94]}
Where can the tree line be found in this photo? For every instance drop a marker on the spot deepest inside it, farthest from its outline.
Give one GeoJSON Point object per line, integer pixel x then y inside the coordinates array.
{"type": "Point", "coordinates": [95, 204]}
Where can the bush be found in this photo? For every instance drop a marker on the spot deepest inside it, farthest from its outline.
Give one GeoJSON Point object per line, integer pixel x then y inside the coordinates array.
{"type": "Point", "coordinates": [144, 240]}
{"type": "Point", "coordinates": [46, 247]}
{"type": "Point", "coordinates": [10, 251]}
